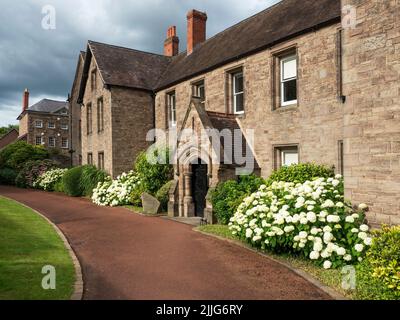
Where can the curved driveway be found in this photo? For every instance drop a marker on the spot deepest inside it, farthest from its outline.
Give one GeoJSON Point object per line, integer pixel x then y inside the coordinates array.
{"type": "Point", "coordinates": [128, 256]}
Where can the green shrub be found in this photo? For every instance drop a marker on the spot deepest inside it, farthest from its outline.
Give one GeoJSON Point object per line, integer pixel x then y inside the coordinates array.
{"type": "Point", "coordinates": [384, 257]}
{"type": "Point", "coordinates": [59, 187]}
{"type": "Point", "coordinates": [227, 196]}
{"type": "Point", "coordinates": [91, 176]}
{"type": "Point", "coordinates": [151, 174]}
{"type": "Point", "coordinates": [17, 154]}
{"type": "Point", "coordinates": [136, 196]}
{"type": "Point", "coordinates": [7, 176]}
{"type": "Point", "coordinates": [162, 195]}
{"type": "Point", "coordinates": [71, 182]}
{"type": "Point", "coordinates": [32, 170]}
{"type": "Point", "coordinates": [300, 173]}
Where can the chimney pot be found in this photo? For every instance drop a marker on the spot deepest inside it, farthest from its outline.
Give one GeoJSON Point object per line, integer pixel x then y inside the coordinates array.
{"type": "Point", "coordinates": [25, 100]}
{"type": "Point", "coordinates": [196, 29]}
{"type": "Point", "coordinates": [171, 44]}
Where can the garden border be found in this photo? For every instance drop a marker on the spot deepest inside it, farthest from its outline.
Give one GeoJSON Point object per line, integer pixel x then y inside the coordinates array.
{"type": "Point", "coordinates": [328, 290]}
{"type": "Point", "coordinates": [78, 285]}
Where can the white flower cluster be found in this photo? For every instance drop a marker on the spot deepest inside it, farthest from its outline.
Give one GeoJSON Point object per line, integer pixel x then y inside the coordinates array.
{"type": "Point", "coordinates": [47, 180]}
{"type": "Point", "coordinates": [310, 218]}
{"type": "Point", "coordinates": [116, 192]}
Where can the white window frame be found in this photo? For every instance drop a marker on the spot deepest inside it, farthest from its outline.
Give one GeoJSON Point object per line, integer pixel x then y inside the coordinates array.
{"type": "Point", "coordinates": [235, 76]}
{"type": "Point", "coordinates": [37, 125]}
{"type": "Point", "coordinates": [64, 126]}
{"type": "Point", "coordinates": [285, 151]}
{"type": "Point", "coordinates": [41, 140]}
{"type": "Point", "coordinates": [54, 144]}
{"type": "Point", "coordinates": [172, 109]}
{"type": "Point", "coordinates": [51, 127]}
{"type": "Point", "coordinates": [283, 81]}
{"type": "Point", "coordinates": [62, 143]}
{"type": "Point", "coordinates": [197, 87]}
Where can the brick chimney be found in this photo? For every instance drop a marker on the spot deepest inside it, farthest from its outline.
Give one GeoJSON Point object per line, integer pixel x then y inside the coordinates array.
{"type": "Point", "coordinates": [171, 44]}
{"type": "Point", "coordinates": [196, 29]}
{"type": "Point", "coordinates": [25, 100]}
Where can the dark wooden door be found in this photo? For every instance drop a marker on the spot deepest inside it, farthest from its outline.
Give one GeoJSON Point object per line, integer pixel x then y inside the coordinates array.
{"type": "Point", "coordinates": [199, 188]}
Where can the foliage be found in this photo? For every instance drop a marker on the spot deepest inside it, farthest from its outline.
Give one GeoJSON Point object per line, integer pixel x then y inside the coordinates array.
{"type": "Point", "coordinates": [136, 195]}
{"type": "Point", "coordinates": [300, 173]}
{"type": "Point", "coordinates": [384, 257]}
{"type": "Point", "coordinates": [227, 196]}
{"type": "Point", "coordinates": [7, 176]}
{"type": "Point", "coordinates": [59, 186]}
{"type": "Point", "coordinates": [49, 179]}
{"type": "Point", "coordinates": [32, 170]}
{"type": "Point", "coordinates": [310, 219]}
{"type": "Point", "coordinates": [71, 182]}
{"type": "Point", "coordinates": [91, 176]}
{"type": "Point", "coordinates": [116, 192]}
{"type": "Point", "coordinates": [162, 195]}
{"type": "Point", "coordinates": [153, 169]}
{"type": "Point", "coordinates": [18, 153]}
{"type": "Point", "coordinates": [5, 130]}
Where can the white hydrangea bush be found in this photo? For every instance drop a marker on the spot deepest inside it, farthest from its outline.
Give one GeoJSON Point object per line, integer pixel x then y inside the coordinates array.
{"type": "Point", "coordinates": [48, 179]}
{"type": "Point", "coordinates": [116, 192]}
{"type": "Point", "coordinates": [311, 219]}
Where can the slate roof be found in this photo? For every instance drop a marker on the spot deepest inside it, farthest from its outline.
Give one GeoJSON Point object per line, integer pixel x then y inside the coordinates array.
{"type": "Point", "coordinates": [222, 121]}
{"type": "Point", "coordinates": [142, 70]}
{"type": "Point", "coordinates": [128, 67]}
{"type": "Point", "coordinates": [48, 106]}
{"type": "Point", "coordinates": [286, 19]}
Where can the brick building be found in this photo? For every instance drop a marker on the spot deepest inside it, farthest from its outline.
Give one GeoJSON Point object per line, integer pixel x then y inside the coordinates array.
{"type": "Point", "coordinates": [316, 82]}
{"type": "Point", "coordinates": [45, 123]}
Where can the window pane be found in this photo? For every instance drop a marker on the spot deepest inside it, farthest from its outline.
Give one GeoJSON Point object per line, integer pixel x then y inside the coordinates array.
{"type": "Point", "coordinates": [201, 93]}
{"type": "Point", "coordinates": [290, 90]}
{"type": "Point", "coordinates": [289, 158]}
{"type": "Point", "coordinates": [289, 68]}
{"type": "Point", "coordinates": [238, 79]}
{"type": "Point", "coordinates": [239, 103]}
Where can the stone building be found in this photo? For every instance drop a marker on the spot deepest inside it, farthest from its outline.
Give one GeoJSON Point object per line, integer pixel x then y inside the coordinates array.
{"type": "Point", "coordinates": [45, 123]}
{"type": "Point", "coordinates": [75, 114]}
{"type": "Point", "coordinates": [316, 82]}
{"type": "Point", "coordinates": [117, 104]}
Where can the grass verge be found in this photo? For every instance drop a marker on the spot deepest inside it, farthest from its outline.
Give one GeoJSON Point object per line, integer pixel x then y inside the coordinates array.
{"type": "Point", "coordinates": [367, 287]}
{"type": "Point", "coordinates": [27, 244]}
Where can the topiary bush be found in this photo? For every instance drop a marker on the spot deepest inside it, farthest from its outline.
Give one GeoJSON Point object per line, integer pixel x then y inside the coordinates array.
{"type": "Point", "coordinates": [32, 170]}
{"type": "Point", "coordinates": [91, 176]}
{"type": "Point", "coordinates": [8, 176]}
{"type": "Point", "coordinates": [72, 182]}
{"type": "Point", "coordinates": [384, 257]}
{"type": "Point", "coordinates": [162, 195]}
{"type": "Point", "coordinates": [228, 195]}
{"type": "Point", "coordinates": [16, 155]}
{"type": "Point", "coordinates": [300, 173]}
{"type": "Point", "coordinates": [150, 170]}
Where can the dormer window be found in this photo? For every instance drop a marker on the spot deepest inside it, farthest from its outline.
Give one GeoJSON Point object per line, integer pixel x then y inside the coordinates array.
{"type": "Point", "coordinates": [64, 112]}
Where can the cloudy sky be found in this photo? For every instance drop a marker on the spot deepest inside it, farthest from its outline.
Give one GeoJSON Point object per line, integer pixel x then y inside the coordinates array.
{"type": "Point", "coordinates": [44, 60]}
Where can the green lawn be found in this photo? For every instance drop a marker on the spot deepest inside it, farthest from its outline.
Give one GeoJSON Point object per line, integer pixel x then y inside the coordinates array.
{"type": "Point", "coordinates": [27, 243]}
{"type": "Point", "coordinates": [367, 288]}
